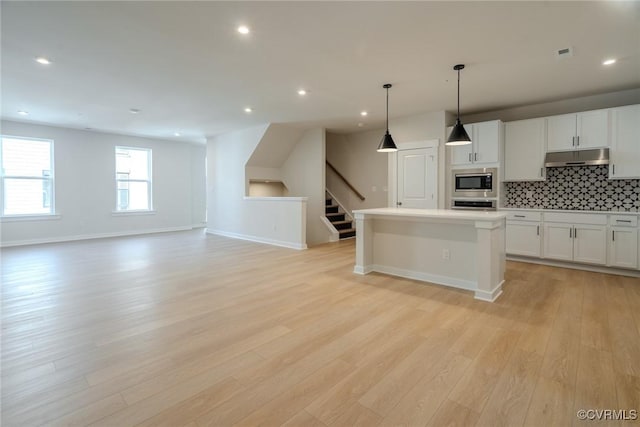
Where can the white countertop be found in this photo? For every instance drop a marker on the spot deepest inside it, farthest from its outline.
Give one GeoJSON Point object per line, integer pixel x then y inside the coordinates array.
{"type": "Point", "coordinates": [435, 213]}
{"type": "Point", "coordinates": [571, 211]}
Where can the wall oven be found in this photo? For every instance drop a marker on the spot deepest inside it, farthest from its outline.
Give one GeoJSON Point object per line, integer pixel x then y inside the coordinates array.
{"type": "Point", "coordinates": [475, 183]}
{"type": "Point", "coordinates": [474, 204]}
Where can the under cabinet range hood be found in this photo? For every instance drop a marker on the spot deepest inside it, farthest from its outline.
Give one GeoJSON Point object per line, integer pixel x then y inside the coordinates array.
{"type": "Point", "coordinates": [598, 156]}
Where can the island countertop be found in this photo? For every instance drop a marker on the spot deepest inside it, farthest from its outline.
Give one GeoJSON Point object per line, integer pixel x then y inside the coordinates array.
{"type": "Point", "coordinates": [467, 215]}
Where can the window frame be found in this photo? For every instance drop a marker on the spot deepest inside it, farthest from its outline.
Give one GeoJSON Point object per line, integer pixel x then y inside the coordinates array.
{"type": "Point", "coordinates": [51, 179]}
{"type": "Point", "coordinates": [149, 180]}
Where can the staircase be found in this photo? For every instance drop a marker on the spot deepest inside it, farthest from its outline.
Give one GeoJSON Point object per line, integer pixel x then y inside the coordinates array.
{"type": "Point", "coordinates": [339, 220]}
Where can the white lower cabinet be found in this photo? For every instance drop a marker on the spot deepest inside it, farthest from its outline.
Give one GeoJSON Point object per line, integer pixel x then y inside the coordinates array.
{"type": "Point", "coordinates": [523, 233]}
{"type": "Point", "coordinates": [623, 242]}
{"type": "Point", "coordinates": [607, 239]}
{"type": "Point", "coordinates": [590, 244]}
{"type": "Point", "coordinates": [558, 241]}
{"type": "Point", "coordinates": [523, 238]}
{"type": "Point", "coordinates": [575, 237]}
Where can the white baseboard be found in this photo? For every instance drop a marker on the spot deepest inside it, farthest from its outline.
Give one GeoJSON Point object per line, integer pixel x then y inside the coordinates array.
{"type": "Point", "coordinates": [417, 275]}
{"type": "Point", "coordinates": [358, 269]}
{"type": "Point", "coordinates": [490, 296]}
{"type": "Point", "coordinates": [575, 266]}
{"type": "Point", "coordinates": [257, 239]}
{"type": "Point", "coordinates": [426, 277]}
{"type": "Point", "coordinates": [90, 236]}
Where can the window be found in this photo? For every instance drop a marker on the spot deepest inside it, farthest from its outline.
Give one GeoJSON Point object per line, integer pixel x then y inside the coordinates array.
{"type": "Point", "coordinates": [27, 176]}
{"type": "Point", "coordinates": [133, 179]}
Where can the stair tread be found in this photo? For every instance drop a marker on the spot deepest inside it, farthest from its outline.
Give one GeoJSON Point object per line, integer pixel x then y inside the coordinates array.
{"type": "Point", "coordinates": [334, 213]}
{"type": "Point", "coordinates": [346, 230]}
{"type": "Point", "coordinates": [346, 221]}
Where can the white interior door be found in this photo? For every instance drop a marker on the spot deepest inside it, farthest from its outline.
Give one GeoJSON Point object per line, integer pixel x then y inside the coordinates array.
{"type": "Point", "coordinates": [418, 178]}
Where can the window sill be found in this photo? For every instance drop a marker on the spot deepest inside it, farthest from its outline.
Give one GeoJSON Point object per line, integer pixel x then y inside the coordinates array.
{"type": "Point", "coordinates": [133, 213]}
{"type": "Point", "coordinates": [37, 217]}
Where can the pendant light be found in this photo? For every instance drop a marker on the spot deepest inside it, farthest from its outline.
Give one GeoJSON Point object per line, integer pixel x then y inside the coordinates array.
{"type": "Point", "coordinates": [458, 135]}
{"type": "Point", "coordinates": [387, 145]}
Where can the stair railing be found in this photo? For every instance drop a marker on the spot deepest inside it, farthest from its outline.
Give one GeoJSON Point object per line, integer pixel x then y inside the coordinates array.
{"type": "Point", "coordinates": [351, 187]}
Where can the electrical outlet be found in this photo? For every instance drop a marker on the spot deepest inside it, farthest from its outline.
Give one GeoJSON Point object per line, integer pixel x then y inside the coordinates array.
{"type": "Point", "coordinates": [445, 254]}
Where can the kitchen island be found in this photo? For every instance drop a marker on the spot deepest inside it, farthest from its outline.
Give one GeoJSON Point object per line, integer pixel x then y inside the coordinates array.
{"type": "Point", "coordinates": [462, 249]}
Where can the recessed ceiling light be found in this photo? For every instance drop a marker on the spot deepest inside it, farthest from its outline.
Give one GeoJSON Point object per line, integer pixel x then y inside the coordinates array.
{"type": "Point", "coordinates": [23, 113]}
{"type": "Point", "coordinates": [363, 113]}
{"type": "Point", "coordinates": [42, 60]}
{"type": "Point", "coordinates": [248, 110]}
{"type": "Point", "coordinates": [243, 29]}
{"type": "Point", "coordinates": [134, 110]}
{"type": "Point", "coordinates": [302, 92]}
{"type": "Point", "coordinates": [177, 134]}
{"type": "Point", "coordinates": [609, 62]}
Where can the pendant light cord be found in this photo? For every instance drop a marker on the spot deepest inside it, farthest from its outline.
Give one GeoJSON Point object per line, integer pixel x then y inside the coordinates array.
{"type": "Point", "coordinates": [387, 110]}
{"type": "Point", "coordinates": [458, 95]}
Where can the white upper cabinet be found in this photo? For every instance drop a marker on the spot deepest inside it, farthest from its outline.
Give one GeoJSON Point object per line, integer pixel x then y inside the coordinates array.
{"type": "Point", "coordinates": [485, 147]}
{"type": "Point", "coordinates": [486, 142]}
{"type": "Point", "coordinates": [524, 149]}
{"type": "Point", "coordinates": [589, 129]}
{"type": "Point", "coordinates": [625, 142]}
{"type": "Point", "coordinates": [561, 132]}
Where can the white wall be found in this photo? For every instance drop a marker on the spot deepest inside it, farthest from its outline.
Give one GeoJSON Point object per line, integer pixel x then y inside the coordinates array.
{"type": "Point", "coordinates": [418, 128]}
{"type": "Point", "coordinates": [85, 194]}
{"type": "Point", "coordinates": [198, 185]}
{"type": "Point", "coordinates": [356, 158]}
{"type": "Point", "coordinates": [303, 174]}
{"type": "Point", "coordinates": [231, 212]}
{"type": "Point", "coordinates": [267, 189]}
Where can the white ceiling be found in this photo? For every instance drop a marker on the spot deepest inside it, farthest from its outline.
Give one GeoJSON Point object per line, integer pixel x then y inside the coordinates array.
{"type": "Point", "coordinates": [189, 71]}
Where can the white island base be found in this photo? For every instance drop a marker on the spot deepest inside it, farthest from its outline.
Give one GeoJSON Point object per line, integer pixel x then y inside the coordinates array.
{"type": "Point", "coordinates": [462, 249]}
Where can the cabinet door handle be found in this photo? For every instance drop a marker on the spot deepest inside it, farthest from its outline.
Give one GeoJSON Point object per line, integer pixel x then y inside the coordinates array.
{"type": "Point", "coordinates": [475, 157]}
{"type": "Point", "coordinates": [624, 220]}
{"type": "Point", "coordinates": [573, 141]}
{"type": "Point", "coordinates": [570, 233]}
{"type": "Point", "coordinates": [537, 230]}
{"type": "Point", "coordinates": [613, 235]}
{"type": "Point", "coordinates": [614, 169]}
{"type": "Point", "coordinates": [520, 216]}
{"type": "Point", "coordinates": [578, 141]}
{"type": "Point", "coordinates": [541, 172]}
{"type": "Point", "coordinates": [575, 233]}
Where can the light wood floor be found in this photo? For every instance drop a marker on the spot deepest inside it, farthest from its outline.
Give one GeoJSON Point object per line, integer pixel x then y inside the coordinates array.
{"type": "Point", "coordinates": [187, 329]}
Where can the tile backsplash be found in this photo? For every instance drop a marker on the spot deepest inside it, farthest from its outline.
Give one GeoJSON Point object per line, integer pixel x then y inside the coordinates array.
{"type": "Point", "coordinates": [575, 188]}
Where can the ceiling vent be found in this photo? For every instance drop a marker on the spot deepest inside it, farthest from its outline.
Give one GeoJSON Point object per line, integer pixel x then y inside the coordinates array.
{"type": "Point", "coordinates": [564, 53]}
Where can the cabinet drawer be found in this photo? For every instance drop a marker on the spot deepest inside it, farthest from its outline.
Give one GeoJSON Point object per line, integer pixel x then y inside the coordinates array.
{"type": "Point", "coordinates": [623, 220]}
{"type": "Point", "coordinates": [523, 216]}
{"type": "Point", "coordinates": [577, 218]}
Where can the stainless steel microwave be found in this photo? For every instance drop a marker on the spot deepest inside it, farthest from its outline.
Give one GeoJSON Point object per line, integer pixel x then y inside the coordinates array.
{"type": "Point", "coordinates": [476, 183]}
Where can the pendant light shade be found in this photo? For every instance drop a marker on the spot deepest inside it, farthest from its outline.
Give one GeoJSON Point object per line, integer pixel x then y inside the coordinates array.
{"type": "Point", "coordinates": [458, 136]}
{"type": "Point", "coordinates": [387, 145]}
